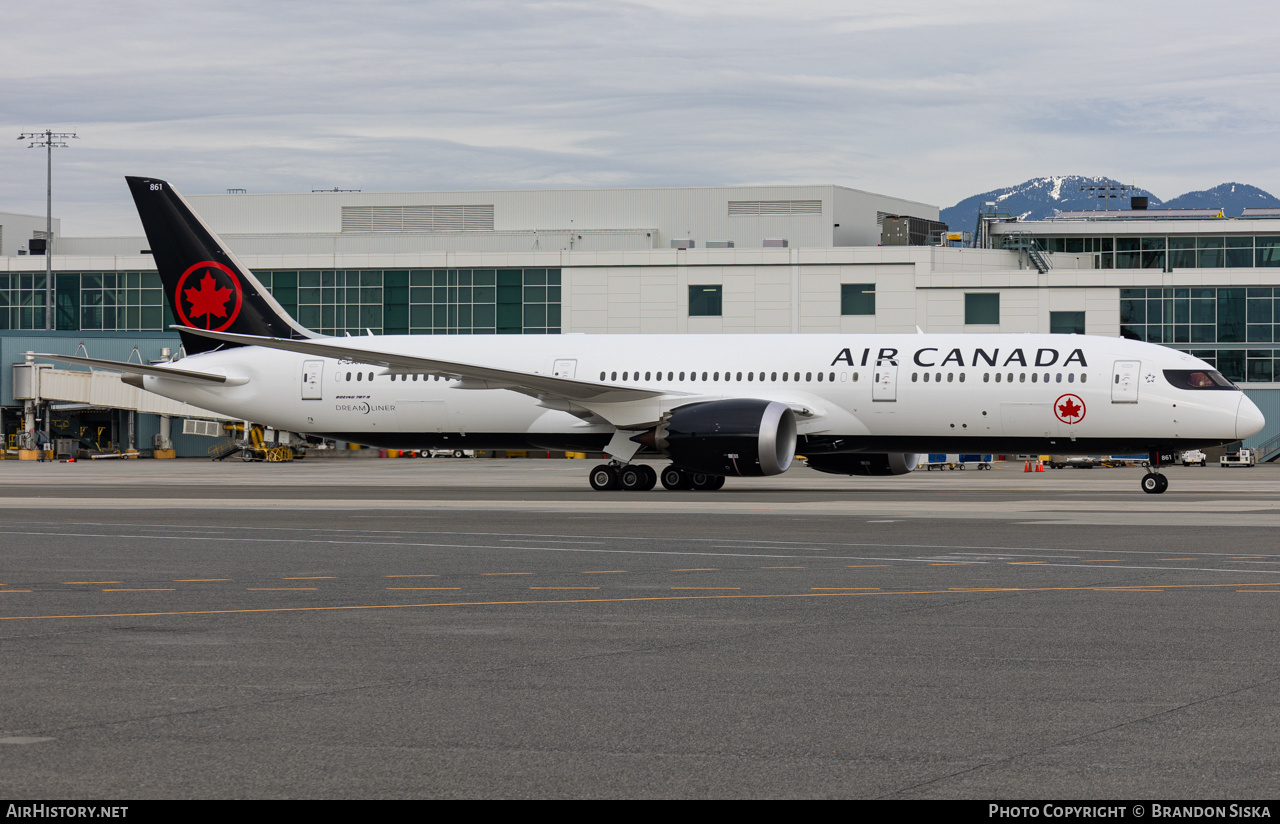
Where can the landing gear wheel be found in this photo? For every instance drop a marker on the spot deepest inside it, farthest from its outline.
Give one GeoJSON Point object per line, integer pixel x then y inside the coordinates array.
{"type": "Point", "coordinates": [1153, 483]}
{"type": "Point", "coordinates": [632, 478]}
{"type": "Point", "coordinates": [458, 453]}
{"type": "Point", "coordinates": [673, 478]}
{"type": "Point", "coordinates": [708, 483]}
{"type": "Point", "coordinates": [603, 478]}
{"type": "Point", "coordinates": [650, 477]}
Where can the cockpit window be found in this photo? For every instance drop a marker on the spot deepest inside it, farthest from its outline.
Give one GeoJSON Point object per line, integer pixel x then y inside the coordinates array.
{"type": "Point", "coordinates": [1199, 379]}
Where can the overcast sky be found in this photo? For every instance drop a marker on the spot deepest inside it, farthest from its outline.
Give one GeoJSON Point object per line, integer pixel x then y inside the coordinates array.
{"type": "Point", "coordinates": [931, 101]}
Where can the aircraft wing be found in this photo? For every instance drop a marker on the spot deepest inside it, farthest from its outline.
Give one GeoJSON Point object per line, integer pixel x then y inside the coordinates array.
{"type": "Point", "coordinates": [167, 372]}
{"type": "Point", "coordinates": [473, 376]}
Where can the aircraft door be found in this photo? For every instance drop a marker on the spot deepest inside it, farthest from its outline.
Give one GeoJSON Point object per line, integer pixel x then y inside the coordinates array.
{"type": "Point", "coordinates": [1124, 381]}
{"type": "Point", "coordinates": [312, 375]}
{"type": "Point", "coordinates": [565, 368]}
{"type": "Point", "coordinates": [885, 387]}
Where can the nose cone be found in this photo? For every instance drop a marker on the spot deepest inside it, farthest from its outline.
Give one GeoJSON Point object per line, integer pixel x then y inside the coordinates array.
{"type": "Point", "coordinates": [1249, 420]}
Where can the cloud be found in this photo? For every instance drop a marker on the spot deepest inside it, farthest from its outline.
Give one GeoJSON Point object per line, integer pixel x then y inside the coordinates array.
{"type": "Point", "coordinates": [933, 103]}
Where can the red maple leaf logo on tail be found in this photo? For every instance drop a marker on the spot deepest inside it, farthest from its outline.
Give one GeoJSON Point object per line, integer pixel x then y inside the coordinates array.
{"type": "Point", "coordinates": [209, 300]}
{"type": "Point", "coordinates": [1070, 409]}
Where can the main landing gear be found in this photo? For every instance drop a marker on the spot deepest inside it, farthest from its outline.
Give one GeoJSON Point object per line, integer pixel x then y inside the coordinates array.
{"type": "Point", "coordinates": [1154, 483]}
{"type": "Point", "coordinates": [642, 478]}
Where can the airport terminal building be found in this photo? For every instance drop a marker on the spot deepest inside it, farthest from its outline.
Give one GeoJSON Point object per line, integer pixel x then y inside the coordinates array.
{"type": "Point", "coordinates": [760, 259]}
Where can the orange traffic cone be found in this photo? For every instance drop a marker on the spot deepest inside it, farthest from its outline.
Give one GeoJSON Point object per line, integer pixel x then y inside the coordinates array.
{"type": "Point", "coordinates": [1039, 466]}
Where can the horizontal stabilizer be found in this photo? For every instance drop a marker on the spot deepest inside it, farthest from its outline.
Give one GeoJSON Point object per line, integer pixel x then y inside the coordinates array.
{"type": "Point", "coordinates": [167, 372]}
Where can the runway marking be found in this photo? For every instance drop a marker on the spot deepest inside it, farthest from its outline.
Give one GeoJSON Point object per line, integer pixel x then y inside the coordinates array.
{"type": "Point", "coordinates": [859, 589]}
{"type": "Point", "coordinates": [564, 587]}
{"type": "Point", "coordinates": [602, 571]}
{"type": "Point", "coordinates": [1101, 561]}
{"type": "Point", "coordinates": [199, 580]}
{"type": "Point", "coordinates": [783, 567]}
{"type": "Point", "coordinates": [420, 588]}
{"type": "Point", "coordinates": [875, 594]}
{"type": "Point", "coordinates": [1026, 562]}
{"type": "Point", "coordinates": [311, 578]}
{"type": "Point", "coordinates": [1258, 590]}
{"type": "Point", "coordinates": [698, 569]}
{"type": "Point", "coordinates": [140, 590]}
{"type": "Point", "coordinates": [706, 587]}
{"type": "Point", "coordinates": [953, 563]}
{"type": "Point", "coordinates": [77, 583]}
{"type": "Point", "coordinates": [866, 566]}
{"type": "Point", "coordinates": [411, 576]}
{"type": "Point", "coordinates": [281, 589]}
{"type": "Point", "coordinates": [15, 590]}
{"type": "Point", "coordinates": [1248, 557]}
{"type": "Point", "coordinates": [1176, 559]}
{"type": "Point", "coordinates": [507, 573]}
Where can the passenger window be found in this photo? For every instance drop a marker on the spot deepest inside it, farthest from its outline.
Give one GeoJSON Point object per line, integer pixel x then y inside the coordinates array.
{"type": "Point", "coordinates": [819, 377]}
{"type": "Point", "coordinates": [986, 377]}
{"type": "Point", "coordinates": [681, 376]}
{"type": "Point", "coordinates": [855, 377]}
{"type": "Point", "coordinates": [613, 376]}
{"type": "Point", "coordinates": [773, 376]}
{"type": "Point", "coordinates": [1084, 376]}
{"type": "Point", "coordinates": [359, 376]}
{"type": "Point", "coordinates": [1071, 377]}
{"type": "Point", "coordinates": [348, 376]}
{"type": "Point", "coordinates": [914, 377]}
{"type": "Point", "coordinates": [831, 376]}
{"type": "Point", "coordinates": [962, 377]}
{"type": "Point", "coordinates": [669, 376]}
{"type": "Point", "coordinates": [739, 376]}
{"type": "Point", "coordinates": [1059, 377]}
{"type": "Point", "coordinates": [784, 377]}
{"type": "Point", "coordinates": [997, 377]}
{"type": "Point", "coordinates": [808, 377]}
{"type": "Point", "coordinates": [1033, 377]}
{"type": "Point", "coordinates": [1022, 377]}
{"type": "Point", "coordinates": [704, 376]}
{"type": "Point", "coordinates": [624, 376]}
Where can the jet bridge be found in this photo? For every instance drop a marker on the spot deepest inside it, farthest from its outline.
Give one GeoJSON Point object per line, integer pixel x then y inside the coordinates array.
{"type": "Point", "coordinates": [37, 385]}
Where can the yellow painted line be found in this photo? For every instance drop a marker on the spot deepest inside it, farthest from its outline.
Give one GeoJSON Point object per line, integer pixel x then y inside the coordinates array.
{"type": "Point", "coordinates": [987, 589]}
{"type": "Point", "coordinates": [853, 589]}
{"type": "Point", "coordinates": [601, 571]}
{"type": "Point", "coordinates": [782, 567]}
{"type": "Point", "coordinates": [198, 580]}
{"type": "Point", "coordinates": [1127, 589]}
{"type": "Point", "coordinates": [1238, 590]}
{"type": "Point", "coordinates": [954, 563]}
{"type": "Point", "coordinates": [560, 601]}
{"type": "Point", "coordinates": [15, 590]}
{"type": "Point", "coordinates": [866, 566]}
{"type": "Point", "coordinates": [424, 587]}
{"type": "Point", "coordinates": [1102, 561]}
{"type": "Point", "coordinates": [1027, 562]}
{"type": "Point", "coordinates": [506, 573]}
{"type": "Point", "coordinates": [280, 589]}
{"type": "Point", "coordinates": [1175, 559]}
{"type": "Point", "coordinates": [706, 587]}
{"type": "Point", "coordinates": [140, 590]}
{"type": "Point", "coordinates": [564, 587]}
{"type": "Point", "coordinates": [1248, 557]}
{"type": "Point", "coordinates": [411, 576]}
{"type": "Point", "coordinates": [311, 578]}
{"type": "Point", "coordinates": [93, 582]}
{"type": "Point", "coordinates": [698, 569]}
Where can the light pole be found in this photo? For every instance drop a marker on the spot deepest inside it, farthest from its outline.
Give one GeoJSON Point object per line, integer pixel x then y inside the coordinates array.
{"type": "Point", "coordinates": [48, 139]}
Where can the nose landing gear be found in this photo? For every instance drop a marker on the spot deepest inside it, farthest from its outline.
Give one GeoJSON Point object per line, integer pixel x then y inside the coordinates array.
{"type": "Point", "coordinates": [1154, 483]}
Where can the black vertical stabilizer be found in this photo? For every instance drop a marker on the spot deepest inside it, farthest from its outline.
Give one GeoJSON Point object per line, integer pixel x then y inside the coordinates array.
{"type": "Point", "coordinates": [204, 283]}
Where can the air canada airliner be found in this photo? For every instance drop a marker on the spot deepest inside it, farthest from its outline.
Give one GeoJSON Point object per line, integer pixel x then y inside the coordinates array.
{"type": "Point", "coordinates": [714, 405]}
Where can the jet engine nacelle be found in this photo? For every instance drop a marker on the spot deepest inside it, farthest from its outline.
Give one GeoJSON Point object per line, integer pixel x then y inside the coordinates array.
{"type": "Point", "coordinates": [741, 436]}
{"type": "Point", "coordinates": [893, 463]}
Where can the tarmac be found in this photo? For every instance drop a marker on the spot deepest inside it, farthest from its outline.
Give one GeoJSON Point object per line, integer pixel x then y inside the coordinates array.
{"type": "Point", "coordinates": [496, 629]}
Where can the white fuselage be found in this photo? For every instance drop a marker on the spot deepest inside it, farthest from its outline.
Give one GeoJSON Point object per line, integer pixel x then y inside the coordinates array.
{"type": "Point", "coordinates": [870, 392]}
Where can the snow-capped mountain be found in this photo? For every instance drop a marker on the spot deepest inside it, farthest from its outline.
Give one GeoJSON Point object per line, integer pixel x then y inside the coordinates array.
{"type": "Point", "coordinates": [1230, 197]}
{"type": "Point", "coordinates": [1040, 197]}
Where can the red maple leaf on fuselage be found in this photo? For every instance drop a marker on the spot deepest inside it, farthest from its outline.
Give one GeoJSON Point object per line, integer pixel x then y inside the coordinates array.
{"type": "Point", "coordinates": [1070, 409]}
{"type": "Point", "coordinates": [209, 300]}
